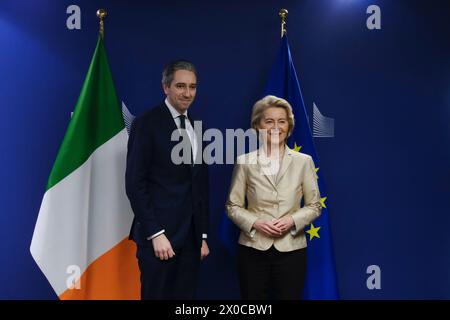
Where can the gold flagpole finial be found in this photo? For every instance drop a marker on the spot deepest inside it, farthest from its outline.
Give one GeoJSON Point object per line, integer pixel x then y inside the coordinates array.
{"type": "Point", "coordinates": [101, 14]}
{"type": "Point", "coordinates": [283, 14]}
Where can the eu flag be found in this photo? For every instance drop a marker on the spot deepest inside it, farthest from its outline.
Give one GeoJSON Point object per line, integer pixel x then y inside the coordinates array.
{"type": "Point", "coordinates": [321, 275]}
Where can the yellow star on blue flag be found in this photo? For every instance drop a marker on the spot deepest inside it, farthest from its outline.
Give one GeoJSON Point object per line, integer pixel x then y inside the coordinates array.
{"type": "Point", "coordinates": [313, 232]}
{"type": "Point", "coordinates": [296, 147]}
{"type": "Point", "coordinates": [322, 202]}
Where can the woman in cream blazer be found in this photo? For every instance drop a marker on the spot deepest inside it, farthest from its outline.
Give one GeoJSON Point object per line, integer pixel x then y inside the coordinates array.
{"type": "Point", "coordinates": [266, 190]}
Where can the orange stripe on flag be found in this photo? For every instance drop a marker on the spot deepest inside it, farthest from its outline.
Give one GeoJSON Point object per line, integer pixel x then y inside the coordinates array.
{"type": "Point", "coordinates": [112, 276]}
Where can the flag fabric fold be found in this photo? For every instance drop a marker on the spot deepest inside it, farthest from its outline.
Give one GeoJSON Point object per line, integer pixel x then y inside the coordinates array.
{"type": "Point", "coordinates": [80, 238]}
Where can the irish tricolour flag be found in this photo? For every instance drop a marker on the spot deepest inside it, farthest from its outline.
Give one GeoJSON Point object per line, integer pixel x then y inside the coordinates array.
{"type": "Point", "coordinates": [80, 239]}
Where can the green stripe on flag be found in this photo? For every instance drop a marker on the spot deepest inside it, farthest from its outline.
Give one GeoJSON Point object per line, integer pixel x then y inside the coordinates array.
{"type": "Point", "coordinates": [96, 119]}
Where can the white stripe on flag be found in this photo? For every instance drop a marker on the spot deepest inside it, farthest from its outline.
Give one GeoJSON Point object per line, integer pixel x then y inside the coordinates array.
{"type": "Point", "coordinates": [84, 215]}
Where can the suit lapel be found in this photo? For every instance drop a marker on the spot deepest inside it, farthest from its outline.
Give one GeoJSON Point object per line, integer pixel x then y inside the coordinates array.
{"type": "Point", "coordinates": [285, 163]}
{"type": "Point", "coordinates": [168, 126]}
{"type": "Point", "coordinates": [167, 118]}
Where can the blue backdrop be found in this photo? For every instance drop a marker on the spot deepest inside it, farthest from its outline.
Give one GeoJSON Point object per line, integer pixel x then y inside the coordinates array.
{"type": "Point", "coordinates": [387, 169]}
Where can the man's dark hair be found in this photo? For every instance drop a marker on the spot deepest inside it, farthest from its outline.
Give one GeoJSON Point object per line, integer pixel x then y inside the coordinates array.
{"type": "Point", "coordinates": [172, 67]}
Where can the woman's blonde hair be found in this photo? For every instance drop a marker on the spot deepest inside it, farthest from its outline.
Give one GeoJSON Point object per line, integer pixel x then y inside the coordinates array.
{"type": "Point", "coordinates": [268, 102]}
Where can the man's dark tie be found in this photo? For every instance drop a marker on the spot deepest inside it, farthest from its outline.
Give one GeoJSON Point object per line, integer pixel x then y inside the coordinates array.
{"type": "Point", "coordinates": [183, 126]}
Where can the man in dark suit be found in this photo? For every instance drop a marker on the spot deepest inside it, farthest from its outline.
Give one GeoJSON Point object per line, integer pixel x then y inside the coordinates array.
{"type": "Point", "coordinates": [169, 199]}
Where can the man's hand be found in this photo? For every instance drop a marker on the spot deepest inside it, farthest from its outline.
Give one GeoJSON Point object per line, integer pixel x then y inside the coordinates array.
{"type": "Point", "coordinates": [204, 251]}
{"type": "Point", "coordinates": [284, 224]}
{"type": "Point", "coordinates": [268, 228]}
{"type": "Point", "coordinates": [162, 247]}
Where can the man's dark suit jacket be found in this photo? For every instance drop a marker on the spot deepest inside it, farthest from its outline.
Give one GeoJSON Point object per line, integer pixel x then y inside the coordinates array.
{"type": "Point", "coordinates": [164, 195]}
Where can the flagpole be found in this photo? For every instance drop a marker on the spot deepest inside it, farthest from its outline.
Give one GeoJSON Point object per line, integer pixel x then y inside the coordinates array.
{"type": "Point", "coordinates": [283, 15]}
{"type": "Point", "coordinates": [101, 14]}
